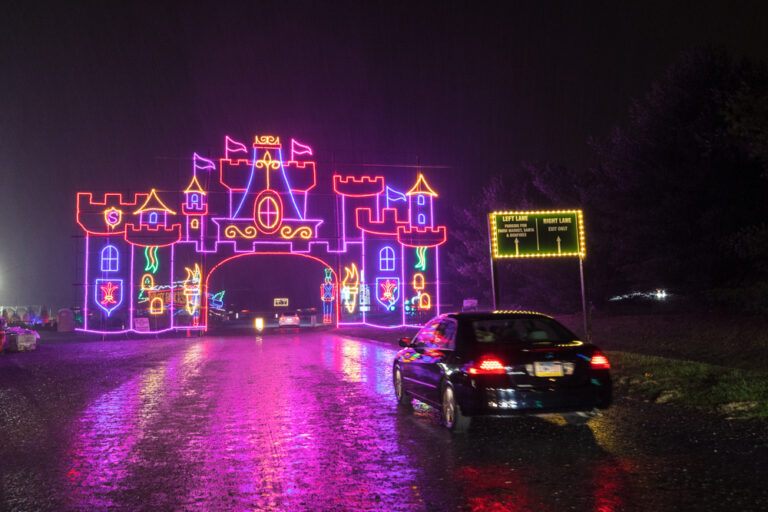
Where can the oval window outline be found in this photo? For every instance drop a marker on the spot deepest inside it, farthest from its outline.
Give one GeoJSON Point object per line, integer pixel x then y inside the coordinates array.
{"type": "Point", "coordinates": [268, 211]}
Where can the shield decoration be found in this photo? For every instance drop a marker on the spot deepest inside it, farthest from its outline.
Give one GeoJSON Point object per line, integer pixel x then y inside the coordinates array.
{"type": "Point", "coordinates": [388, 291]}
{"type": "Point", "coordinates": [109, 294]}
{"type": "Point", "coordinates": [113, 217]}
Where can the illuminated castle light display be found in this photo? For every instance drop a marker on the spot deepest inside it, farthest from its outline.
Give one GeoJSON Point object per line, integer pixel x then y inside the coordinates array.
{"type": "Point", "coordinates": [148, 266]}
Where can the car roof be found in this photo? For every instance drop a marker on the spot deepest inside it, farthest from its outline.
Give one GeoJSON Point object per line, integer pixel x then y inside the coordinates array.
{"type": "Point", "coordinates": [489, 315]}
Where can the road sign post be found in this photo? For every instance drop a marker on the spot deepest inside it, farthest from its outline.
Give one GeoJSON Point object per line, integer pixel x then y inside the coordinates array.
{"type": "Point", "coordinates": [538, 234]}
{"type": "Point", "coordinates": [494, 282]}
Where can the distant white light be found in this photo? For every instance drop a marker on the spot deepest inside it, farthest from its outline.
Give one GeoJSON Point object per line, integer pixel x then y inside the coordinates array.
{"type": "Point", "coordinates": [657, 294]}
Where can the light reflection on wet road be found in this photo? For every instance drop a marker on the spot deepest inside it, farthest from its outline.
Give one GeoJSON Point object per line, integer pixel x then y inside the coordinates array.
{"type": "Point", "coordinates": [309, 422]}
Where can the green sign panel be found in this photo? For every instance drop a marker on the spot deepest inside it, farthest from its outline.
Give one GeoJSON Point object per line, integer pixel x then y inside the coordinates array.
{"type": "Point", "coordinates": [537, 234]}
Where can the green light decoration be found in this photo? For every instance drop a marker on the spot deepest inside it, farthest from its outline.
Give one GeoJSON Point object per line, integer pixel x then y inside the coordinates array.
{"type": "Point", "coordinates": [421, 254]}
{"type": "Point", "coordinates": [150, 256]}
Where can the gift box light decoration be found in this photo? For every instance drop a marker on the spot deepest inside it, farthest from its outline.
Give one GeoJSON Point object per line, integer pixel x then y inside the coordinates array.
{"type": "Point", "coordinates": [151, 256]}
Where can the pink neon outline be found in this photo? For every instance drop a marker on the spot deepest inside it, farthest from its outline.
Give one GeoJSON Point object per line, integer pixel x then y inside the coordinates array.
{"type": "Point", "coordinates": [238, 162]}
{"type": "Point", "coordinates": [110, 200]}
{"type": "Point", "coordinates": [386, 227]}
{"type": "Point", "coordinates": [365, 221]}
{"type": "Point", "coordinates": [410, 211]}
{"type": "Point", "coordinates": [344, 223]}
{"type": "Point", "coordinates": [229, 142]}
{"type": "Point", "coordinates": [431, 213]}
{"type": "Point", "coordinates": [402, 280]}
{"type": "Point", "coordinates": [195, 213]}
{"type": "Point", "coordinates": [303, 149]}
{"type": "Point", "coordinates": [437, 277]}
{"type": "Point", "coordinates": [433, 236]}
{"type": "Point", "coordinates": [398, 326]}
{"type": "Point", "coordinates": [373, 184]}
{"type": "Point", "coordinates": [361, 279]}
{"type": "Point", "coordinates": [130, 293]}
{"type": "Point", "coordinates": [161, 331]}
{"type": "Point", "coordinates": [207, 165]}
{"type": "Point", "coordinates": [200, 244]}
{"type": "Point", "coordinates": [174, 231]}
{"type": "Point", "coordinates": [86, 283]}
{"type": "Point", "coordinates": [170, 275]}
{"type": "Point", "coordinates": [302, 165]}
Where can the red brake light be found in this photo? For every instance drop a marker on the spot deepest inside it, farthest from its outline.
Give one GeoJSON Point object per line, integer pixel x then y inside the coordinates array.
{"type": "Point", "coordinates": [599, 362]}
{"type": "Point", "coordinates": [487, 366]}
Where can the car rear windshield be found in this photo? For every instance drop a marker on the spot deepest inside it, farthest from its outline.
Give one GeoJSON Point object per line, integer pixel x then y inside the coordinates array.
{"type": "Point", "coordinates": [521, 331]}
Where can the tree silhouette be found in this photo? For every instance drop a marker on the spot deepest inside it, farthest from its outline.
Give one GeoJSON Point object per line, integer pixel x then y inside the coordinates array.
{"type": "Point", "coordinates": [677, 198]}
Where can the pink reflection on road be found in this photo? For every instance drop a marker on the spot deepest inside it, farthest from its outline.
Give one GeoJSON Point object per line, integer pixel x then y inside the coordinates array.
{"type": "Point", "coordinates": [305, 422]}
{"type": "Point", "coordinates": [257, 423]}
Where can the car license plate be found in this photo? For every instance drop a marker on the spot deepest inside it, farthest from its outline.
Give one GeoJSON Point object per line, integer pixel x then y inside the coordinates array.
{"type": "Point", "coordinates": [548, 369]}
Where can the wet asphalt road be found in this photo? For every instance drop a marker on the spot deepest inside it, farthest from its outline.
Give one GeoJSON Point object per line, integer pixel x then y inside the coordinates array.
{"type": "Point", "coordinates": [307, 421]}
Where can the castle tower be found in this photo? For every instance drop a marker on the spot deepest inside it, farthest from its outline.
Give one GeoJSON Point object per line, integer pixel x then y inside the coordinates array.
{"type": "Point", "coordinates": [153, 213]}
{"type": "Point", "coordinates": [420, 204]}
{"type": "Point", "coordinates": [195, 208]}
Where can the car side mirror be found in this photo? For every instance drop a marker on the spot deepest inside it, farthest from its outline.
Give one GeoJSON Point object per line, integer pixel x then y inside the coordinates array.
{"type": "Point", "coordinates": [404, 342]}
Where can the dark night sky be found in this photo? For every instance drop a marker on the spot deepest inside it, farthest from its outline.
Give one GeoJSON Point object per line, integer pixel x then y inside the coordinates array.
{"type": "Point", "coordinates": [115, 96]}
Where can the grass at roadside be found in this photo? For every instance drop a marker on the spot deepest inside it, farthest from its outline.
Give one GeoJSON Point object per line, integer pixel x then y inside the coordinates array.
{"type": "Point", "coordinates": [731, 341]}
{"type": "Point", "coordinates": [731, 392]}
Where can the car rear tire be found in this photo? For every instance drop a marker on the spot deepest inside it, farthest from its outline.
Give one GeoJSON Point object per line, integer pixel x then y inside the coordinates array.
{"type": "Point", "coordinates": [453, 419]}
{"type": "Point", "coordinates": [397, 380]}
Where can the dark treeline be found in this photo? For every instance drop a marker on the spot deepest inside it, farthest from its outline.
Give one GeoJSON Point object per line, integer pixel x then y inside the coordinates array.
{"type": "Point", "coordinates": [676, 199]}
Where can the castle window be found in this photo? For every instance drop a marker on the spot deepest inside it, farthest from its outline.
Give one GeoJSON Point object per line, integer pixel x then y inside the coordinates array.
{"type": "Point", "coordinates": [109, 259]}
{"type": "Point", "coordinates": [387, 259]}
{"type": "Point", "coordinates": [194, 202]}
{"type": "Point", "coordinates": [152, 218]}
{"type": "Point", "coordinates": [421, 219]}
{"type": "Point", "coordinates": [421, 200]}
{"type": "Point", "coordinates": [194, 224]}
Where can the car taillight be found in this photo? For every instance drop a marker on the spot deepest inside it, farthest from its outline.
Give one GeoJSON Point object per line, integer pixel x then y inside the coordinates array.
{"type": "Point", "coordinates": [487, 366]}
{"type": "Point", "coordinates": [599, 362]}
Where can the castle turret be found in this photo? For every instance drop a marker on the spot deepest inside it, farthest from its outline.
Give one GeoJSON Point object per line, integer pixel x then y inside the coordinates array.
{"type": "Point", "coordinates": [153, 229]}
{"type": "Point", "coordinates": [420, 203]}
{"type": "Point", "coordinates": [195, 208]}
{"type": "Point", "coordinates": [153, 213]}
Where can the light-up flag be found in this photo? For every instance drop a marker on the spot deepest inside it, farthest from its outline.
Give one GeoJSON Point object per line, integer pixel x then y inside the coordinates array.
{"type": "Point", "coordinates": [297, 148]}
{"type": "Point", "coordinates": [232, 146]}
{"type": "Point", "coordinates": [203, 164]}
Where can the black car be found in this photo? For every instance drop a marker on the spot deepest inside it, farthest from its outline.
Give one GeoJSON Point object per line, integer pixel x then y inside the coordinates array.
{"type": "Point", "coordinates": [501, 363]}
